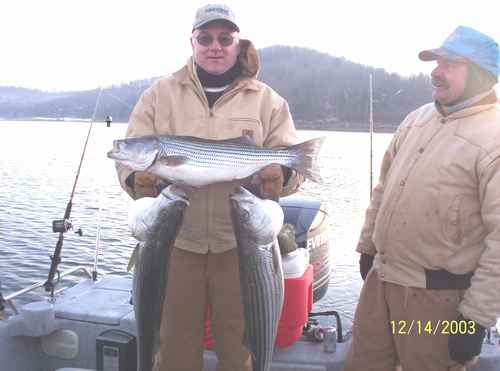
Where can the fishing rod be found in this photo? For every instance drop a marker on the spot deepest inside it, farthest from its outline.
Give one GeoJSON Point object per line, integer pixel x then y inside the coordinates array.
{"type": "Point", "coordinates": [63, 225]}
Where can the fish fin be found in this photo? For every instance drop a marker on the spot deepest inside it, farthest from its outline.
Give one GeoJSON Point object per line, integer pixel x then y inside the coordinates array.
{"type": "Point", "coordinates": [243, 140]}
{"type": "Point", "coordinates": [172, 161]}
{"type": "Point", "coordinates": [306, 162]}
{"type": "Point", "coordinates": [133, 258]}
{"type": "Point", "coordinates": [276, 256]}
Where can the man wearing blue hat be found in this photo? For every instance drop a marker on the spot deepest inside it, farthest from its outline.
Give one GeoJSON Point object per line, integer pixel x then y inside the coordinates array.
{"type": "Point", "coordinates": [430, 245]}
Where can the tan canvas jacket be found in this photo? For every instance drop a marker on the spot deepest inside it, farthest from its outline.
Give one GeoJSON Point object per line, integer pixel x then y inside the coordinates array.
{"type": "Point", "coordinates": [437, 205]}
{"type": "Point", "coordinates": [176, 105]}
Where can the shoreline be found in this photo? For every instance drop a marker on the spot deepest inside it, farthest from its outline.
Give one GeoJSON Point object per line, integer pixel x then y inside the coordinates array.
{"type": "Point", "coordinates": [344, 127]}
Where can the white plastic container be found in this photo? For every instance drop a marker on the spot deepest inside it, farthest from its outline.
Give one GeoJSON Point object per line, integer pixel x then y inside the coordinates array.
{"type": "Point", "coordinates": [38, 318]}
{"type": "Point", "coordinates": [295, 263]}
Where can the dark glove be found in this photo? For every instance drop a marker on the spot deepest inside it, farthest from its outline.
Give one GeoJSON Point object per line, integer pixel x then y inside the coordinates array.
{"type": "Point", "coordinates": [365, 264]}
{"type": "Point", "coordinates": [145, 184]}
{"type": "Point", "coordinates": [463, 347]}
{"type": "Point", "coordinates": [269, 180]}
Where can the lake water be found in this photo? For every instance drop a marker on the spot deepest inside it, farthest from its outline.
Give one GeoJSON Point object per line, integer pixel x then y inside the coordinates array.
{"type": "Point", "coordinates": [38, 164]}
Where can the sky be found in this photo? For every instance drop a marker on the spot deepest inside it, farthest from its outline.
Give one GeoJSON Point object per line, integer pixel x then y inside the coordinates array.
{"type": "Point", "coordinates": [59, 45]}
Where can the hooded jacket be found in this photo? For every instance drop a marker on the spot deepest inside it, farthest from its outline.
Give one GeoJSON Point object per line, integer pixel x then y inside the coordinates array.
{"type": "Point", "coordinates": [177, 105]}
{"type": "Point", "coordinates": [437, 205]}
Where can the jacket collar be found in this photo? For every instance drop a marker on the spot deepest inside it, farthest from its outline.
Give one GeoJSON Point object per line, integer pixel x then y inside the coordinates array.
{"type": "Point", "coordinates": [485, 102]}
{"type": "Point", "coordinates": [250, 66]}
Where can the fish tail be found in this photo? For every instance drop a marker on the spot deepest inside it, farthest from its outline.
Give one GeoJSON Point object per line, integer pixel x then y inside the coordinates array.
{"type": "Point", "coordinates": [306, 161]}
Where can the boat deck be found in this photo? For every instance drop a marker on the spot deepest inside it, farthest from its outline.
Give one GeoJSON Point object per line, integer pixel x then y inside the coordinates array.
{"type": "Point", "coordinates": [91, 308]}
{"type": "Point", "coordinates": [33, 341]}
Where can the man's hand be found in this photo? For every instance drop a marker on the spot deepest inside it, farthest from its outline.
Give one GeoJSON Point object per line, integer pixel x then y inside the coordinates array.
{"type": "Point", "coordinates": [146, 184]}
{"type": "Point", "coordinates": [464, 347]}
{"type": "Point", "coordinates": [269, 180]}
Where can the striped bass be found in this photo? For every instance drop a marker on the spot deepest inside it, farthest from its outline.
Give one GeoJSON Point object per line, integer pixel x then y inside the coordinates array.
{"type": "Point", "coordinates": [198, 162]}
{"type": "Point", "coordinates": [256, 225]}
{"type": "Point", "coordinates": [150, 273]}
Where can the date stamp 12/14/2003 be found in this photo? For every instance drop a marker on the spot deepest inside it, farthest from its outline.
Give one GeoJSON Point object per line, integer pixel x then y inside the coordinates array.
{"type": "Point", "coordinates": [427, 327]}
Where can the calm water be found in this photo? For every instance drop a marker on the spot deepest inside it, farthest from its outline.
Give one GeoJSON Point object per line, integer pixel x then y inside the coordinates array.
{"type": "Point", "coordinates": [38, 163]}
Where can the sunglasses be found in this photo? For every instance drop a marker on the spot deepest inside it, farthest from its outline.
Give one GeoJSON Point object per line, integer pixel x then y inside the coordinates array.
{"type": "Point", "coordinates": [206, 39]}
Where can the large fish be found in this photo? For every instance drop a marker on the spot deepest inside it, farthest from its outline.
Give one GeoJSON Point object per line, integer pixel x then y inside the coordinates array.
{"type": "Point", "coordinates": [256, 225]}
{"type": "Point", "coordinates": [199, 162]}
{"type": "Point", "coordinates": [151, 268]}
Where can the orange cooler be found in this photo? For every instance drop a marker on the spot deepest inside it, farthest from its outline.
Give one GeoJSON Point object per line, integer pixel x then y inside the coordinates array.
{"type": "Point", "coordinates": [298, 274]}
{"type": "Point", "coordinates": [296, 307]}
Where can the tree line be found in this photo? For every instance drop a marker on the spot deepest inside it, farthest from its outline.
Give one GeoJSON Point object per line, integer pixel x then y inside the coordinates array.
{"type": "Point", "coordinates": [324, 92]}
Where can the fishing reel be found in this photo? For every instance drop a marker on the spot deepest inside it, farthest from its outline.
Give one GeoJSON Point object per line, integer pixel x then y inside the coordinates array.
{"type": "Point", "coordinates": [63, 226]}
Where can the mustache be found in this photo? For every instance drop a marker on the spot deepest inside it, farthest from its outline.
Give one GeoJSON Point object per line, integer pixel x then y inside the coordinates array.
{"type": "Point", "coordinates": [439, 81]}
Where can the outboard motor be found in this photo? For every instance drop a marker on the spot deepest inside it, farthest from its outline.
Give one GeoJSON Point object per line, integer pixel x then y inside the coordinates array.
{"type": "Point", "coordinates": [312, 227]}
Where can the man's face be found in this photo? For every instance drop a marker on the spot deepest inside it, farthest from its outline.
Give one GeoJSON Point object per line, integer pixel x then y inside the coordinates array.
{"type": "Point", "coordinates": [214, 57]}
{"type": "Point", "coordinates": [449, 80]}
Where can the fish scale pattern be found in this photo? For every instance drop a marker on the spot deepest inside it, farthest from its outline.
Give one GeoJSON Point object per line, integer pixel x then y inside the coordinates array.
{"type": "Point", "coordinates": [210, 155]}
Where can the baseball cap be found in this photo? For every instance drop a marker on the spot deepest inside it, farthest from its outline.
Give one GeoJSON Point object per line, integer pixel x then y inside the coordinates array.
{"type": "Point", "coordinates": [214, 12]}
{"type": "Point", "coordinates": [466, 42]}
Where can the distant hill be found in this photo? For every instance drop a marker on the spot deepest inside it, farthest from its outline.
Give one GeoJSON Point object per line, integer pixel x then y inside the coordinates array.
{"type": "Point", "coordinates": [117, 101]}
{"type": "Point", "coordinates": [330, 92]}
{"type": "Point", "coordinates": [324, 92]}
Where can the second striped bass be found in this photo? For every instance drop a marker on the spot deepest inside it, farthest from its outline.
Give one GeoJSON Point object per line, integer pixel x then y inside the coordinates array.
{"type": "Point", "coordinates": [256, 225]}
{"type": "Point", "coordinates": [151, 271]}
{"type": "Point", "coordinates": [198, 162]}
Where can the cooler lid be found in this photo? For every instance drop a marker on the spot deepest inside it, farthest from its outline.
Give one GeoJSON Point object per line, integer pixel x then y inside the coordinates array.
{"type": "Point", "coordinates": [295, 263]}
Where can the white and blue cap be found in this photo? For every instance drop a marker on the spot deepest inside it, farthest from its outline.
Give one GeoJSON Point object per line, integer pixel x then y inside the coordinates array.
{"type": "Point", "coordinates": [214, 12]}
{"type": "Point", "coordinates": [466, 42]}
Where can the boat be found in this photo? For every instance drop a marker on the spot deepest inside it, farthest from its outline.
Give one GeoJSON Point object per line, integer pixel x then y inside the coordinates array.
{"type": "Point", "coordinates": [91, 326]}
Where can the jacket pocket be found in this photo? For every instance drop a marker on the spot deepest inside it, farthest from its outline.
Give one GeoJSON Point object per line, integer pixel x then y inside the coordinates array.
{"type": "Point", "coordinates": [248, 126]}
{"type": "Point", "coordinates": [245, 120]}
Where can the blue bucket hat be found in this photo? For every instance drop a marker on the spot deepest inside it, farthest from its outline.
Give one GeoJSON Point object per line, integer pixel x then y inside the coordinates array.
{"type": "Point", "coordinates": [465, 42]}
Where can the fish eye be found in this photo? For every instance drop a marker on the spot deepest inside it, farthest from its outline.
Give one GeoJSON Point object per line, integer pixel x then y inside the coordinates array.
{"type": "Point", "coordinates": [245, 215]}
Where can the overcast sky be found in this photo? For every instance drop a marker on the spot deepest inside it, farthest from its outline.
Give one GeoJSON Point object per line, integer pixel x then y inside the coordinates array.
{"type": "Point", "coordinates": [81, 44]}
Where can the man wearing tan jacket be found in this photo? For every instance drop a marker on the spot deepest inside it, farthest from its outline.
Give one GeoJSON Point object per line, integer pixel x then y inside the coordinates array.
{"type": "Point", "coordinates": [432, 230]}
{"type": "Point", "coordinates": [214, 96]}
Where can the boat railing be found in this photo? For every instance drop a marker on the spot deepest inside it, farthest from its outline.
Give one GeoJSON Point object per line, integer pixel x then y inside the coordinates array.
{"type": "Point", "coordinates": [9, 299]}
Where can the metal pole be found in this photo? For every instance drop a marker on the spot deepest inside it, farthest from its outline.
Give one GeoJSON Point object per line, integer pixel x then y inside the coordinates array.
{"type": "Point", "coordinates": [371, 135]}
{"type": "Point", "coordinates": [9, 299]}
{"type": "Point", "coordinates": [98, 236]}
